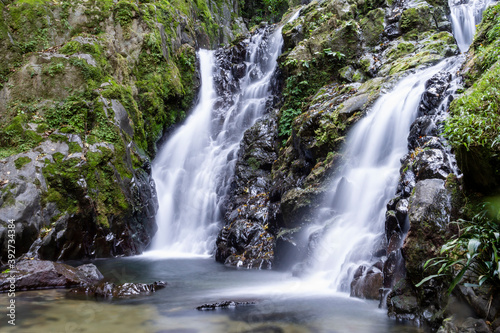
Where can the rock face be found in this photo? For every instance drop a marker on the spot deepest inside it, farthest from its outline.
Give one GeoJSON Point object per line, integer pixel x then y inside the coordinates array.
{"type": "Point", "coordinates": [417, 223]}
{"type": "Point", "coordinates": [247, 239]}
{"type": "Point", "coordinates": [40, 274]}
{"type": "Point", "coordinates": [338, 58]}
{"type": "Point", "coordinates": [86, 90]}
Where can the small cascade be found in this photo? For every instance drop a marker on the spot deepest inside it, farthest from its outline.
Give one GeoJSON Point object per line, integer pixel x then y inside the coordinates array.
{"type": "Point", "coordinates": [194, 168]}
{"type": "Point", "coordinates": [465, 16]}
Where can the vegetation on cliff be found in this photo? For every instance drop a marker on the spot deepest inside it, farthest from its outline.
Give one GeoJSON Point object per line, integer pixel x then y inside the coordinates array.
{"type": "Point", "coordinates": [86, 90]}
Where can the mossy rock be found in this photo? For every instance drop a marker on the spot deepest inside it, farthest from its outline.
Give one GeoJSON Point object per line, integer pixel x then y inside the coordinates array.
{"type": "Point", "coordinates": [372, 26]}
{"type": "Point", "coordinates": [415, 20]}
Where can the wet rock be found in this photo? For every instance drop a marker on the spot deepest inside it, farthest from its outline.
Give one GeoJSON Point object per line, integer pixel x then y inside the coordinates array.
{"type": "Point", "coordinates": [484, 302]}
{"type": "Point", "coordinates": [392, 224]}
{"type": "Point", "coordinates": [469, 325]}
{"type": "Point", "coordinates": [247, 239]}
{"type": "Point", "coordinates": [42, 274]}
{"type": "Point", "coordinates": [402, 302]}
{"type": "Point", "coordinates": [223, 305]}
{"type": "Point", "coordinates": [367, 283]}
{"type": "Point", "coordinates": [432, 163]}
{"type": "Point", "coordinates": [429, 211]}
{"type": "Point", "coordinates": [434, 93]}
{"type": "Point", "coordinates": [110, 290]}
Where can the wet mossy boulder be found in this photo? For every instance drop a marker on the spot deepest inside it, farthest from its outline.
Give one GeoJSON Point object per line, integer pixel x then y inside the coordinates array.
{"type": "Point", "coordinates": [428, 214]}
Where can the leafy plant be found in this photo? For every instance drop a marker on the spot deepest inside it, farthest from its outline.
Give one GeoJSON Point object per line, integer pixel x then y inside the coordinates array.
{"type": "Point", "coordinates": [335, 54]}
{"type": "Point", "coordinates": [474, 253]}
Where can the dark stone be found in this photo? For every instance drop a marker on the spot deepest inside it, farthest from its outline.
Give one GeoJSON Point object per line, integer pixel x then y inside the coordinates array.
{"type": "Point", "coordinates": [481, 300]}
{"type": "Point", "coordinates": [40, 274]}
{"type": "Point", "coordinates": [109, 290]}
{"type": "Point", "coordinates": [434, 93]}
{"type": "Point", "coordinates": [391, 223]}
{"type": "Point", "coordinates": [432, 163]}
{"type": "Point", "coordinates": [402, 302]}
{"type": "Point", "coordinates": [429, 209]}
{"type": "Point", "coordinates": [247, 240]}
{"type": "Point", "coordinates": [367, 283]}
{"type": "Point", "coordinates": [223, 305]}
{"type": "Point", "coordinates": [392, 31]}
{"type": "Point", "coordinates": [394, 269]}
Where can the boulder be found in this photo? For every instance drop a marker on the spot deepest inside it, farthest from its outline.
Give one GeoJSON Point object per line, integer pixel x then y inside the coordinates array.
{"type": "Point", "coordinates": [42, 274]}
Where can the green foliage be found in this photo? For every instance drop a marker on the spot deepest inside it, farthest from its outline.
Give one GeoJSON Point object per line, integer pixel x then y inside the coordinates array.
{"type": "Point", "coordinates": [53, 69]}
{"type": "Point", "coordinates": [267, 10]}
{"type": "Point", "coordinates": [124, 12]}
{"type": "Point", "coordinates": [474, 253]}
{"type": "Point", "coordinates": [305, 80]}
{"type": "Point", "coordinates": [475, 119]}
{"type": "Point", "coordinates": [21, 161]}
{"type": "Point", "coordinates": [14, 138]}
{"type": "Point", "coordinates": [335, 54]}
{"type": "Point", "coordinates": [286, 121]}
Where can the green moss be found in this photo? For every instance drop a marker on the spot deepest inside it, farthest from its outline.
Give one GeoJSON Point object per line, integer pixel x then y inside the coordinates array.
{"type": "Point", "coordinates": [253, 163]}
{"type": "Point", "coordinates": [21, 161]}
{"type": "Point", "coordinates": [74, 147]}
{"type": "Point", "coordinates": [124, 12]}
{"type": "Point", "coordinates": [416, 60]}
{"type": "Point", "coordinates": [331, 129]}
{"type": "Point", "coordinates": [373, 26]}
{"type": "Point", "coordinates": [14, 138]}
{"type": "Point", "coordinates": [416, 20]}
{"type": "Point", "coordinates": [400, 50]}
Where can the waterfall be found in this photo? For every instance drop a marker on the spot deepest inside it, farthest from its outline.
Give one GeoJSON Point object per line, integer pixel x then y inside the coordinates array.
{"type": "Point", "coordinates": [352, 219]}
{"type": "Point", "coordinates": [193, 169]}
{"type": "Point", "coordinates": [465, 15]}
{"type": "Point", "coordinates": [354, 213]}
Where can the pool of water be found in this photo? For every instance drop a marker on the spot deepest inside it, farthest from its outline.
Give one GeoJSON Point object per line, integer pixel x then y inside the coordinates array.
{"type": "Point", "coordinates": [282, 303]}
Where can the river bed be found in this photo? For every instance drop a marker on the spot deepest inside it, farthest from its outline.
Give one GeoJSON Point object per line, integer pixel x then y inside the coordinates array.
{"type": "Point", "coordinates": [282, 303]}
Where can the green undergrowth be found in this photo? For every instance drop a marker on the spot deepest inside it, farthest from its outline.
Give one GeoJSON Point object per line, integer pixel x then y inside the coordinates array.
{"type": "Point", "coordinates": [472, 257]}
{"type": "Point", "coordinates": [263, 10]}
{"type": "Point", "coordinates": [474, 126]}
{"type": "Point", "coordinates": [304, 80]}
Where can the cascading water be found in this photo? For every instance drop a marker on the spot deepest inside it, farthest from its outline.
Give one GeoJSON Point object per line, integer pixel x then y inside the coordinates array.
{"type": "Point", "coordinates": [465, 15]}
{"type": "Point", "coordinates": [353, 218]}
{"type": "Point", "coordinates": [193, 170]}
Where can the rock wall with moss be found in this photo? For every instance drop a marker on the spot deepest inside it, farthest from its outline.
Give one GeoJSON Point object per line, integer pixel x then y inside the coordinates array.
{"type": "Point", "coordinates": [338, 57]}
{"type": "Point", "coordinates": [86, 90]}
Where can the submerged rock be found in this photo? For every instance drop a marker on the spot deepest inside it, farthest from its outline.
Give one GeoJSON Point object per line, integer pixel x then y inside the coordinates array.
{"type": "Point", "coordinates": [222, 305]}
{"type": "Point", "coordinates": [109, 290]}
{"type": "Point", "coordinates": [42, 274]}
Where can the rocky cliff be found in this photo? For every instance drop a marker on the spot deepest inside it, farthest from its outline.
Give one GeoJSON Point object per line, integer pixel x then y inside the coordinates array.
{"type": "Point", "coordinates": [339, 56]}
{"type": "Point", "coordinates": [86, 90]}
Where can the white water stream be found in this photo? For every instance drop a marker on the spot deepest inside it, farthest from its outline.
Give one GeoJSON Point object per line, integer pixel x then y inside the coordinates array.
{"type": "Point", "coordinates": [465, 16]}
{"type": "Point", "coordinates": [193, 170]}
